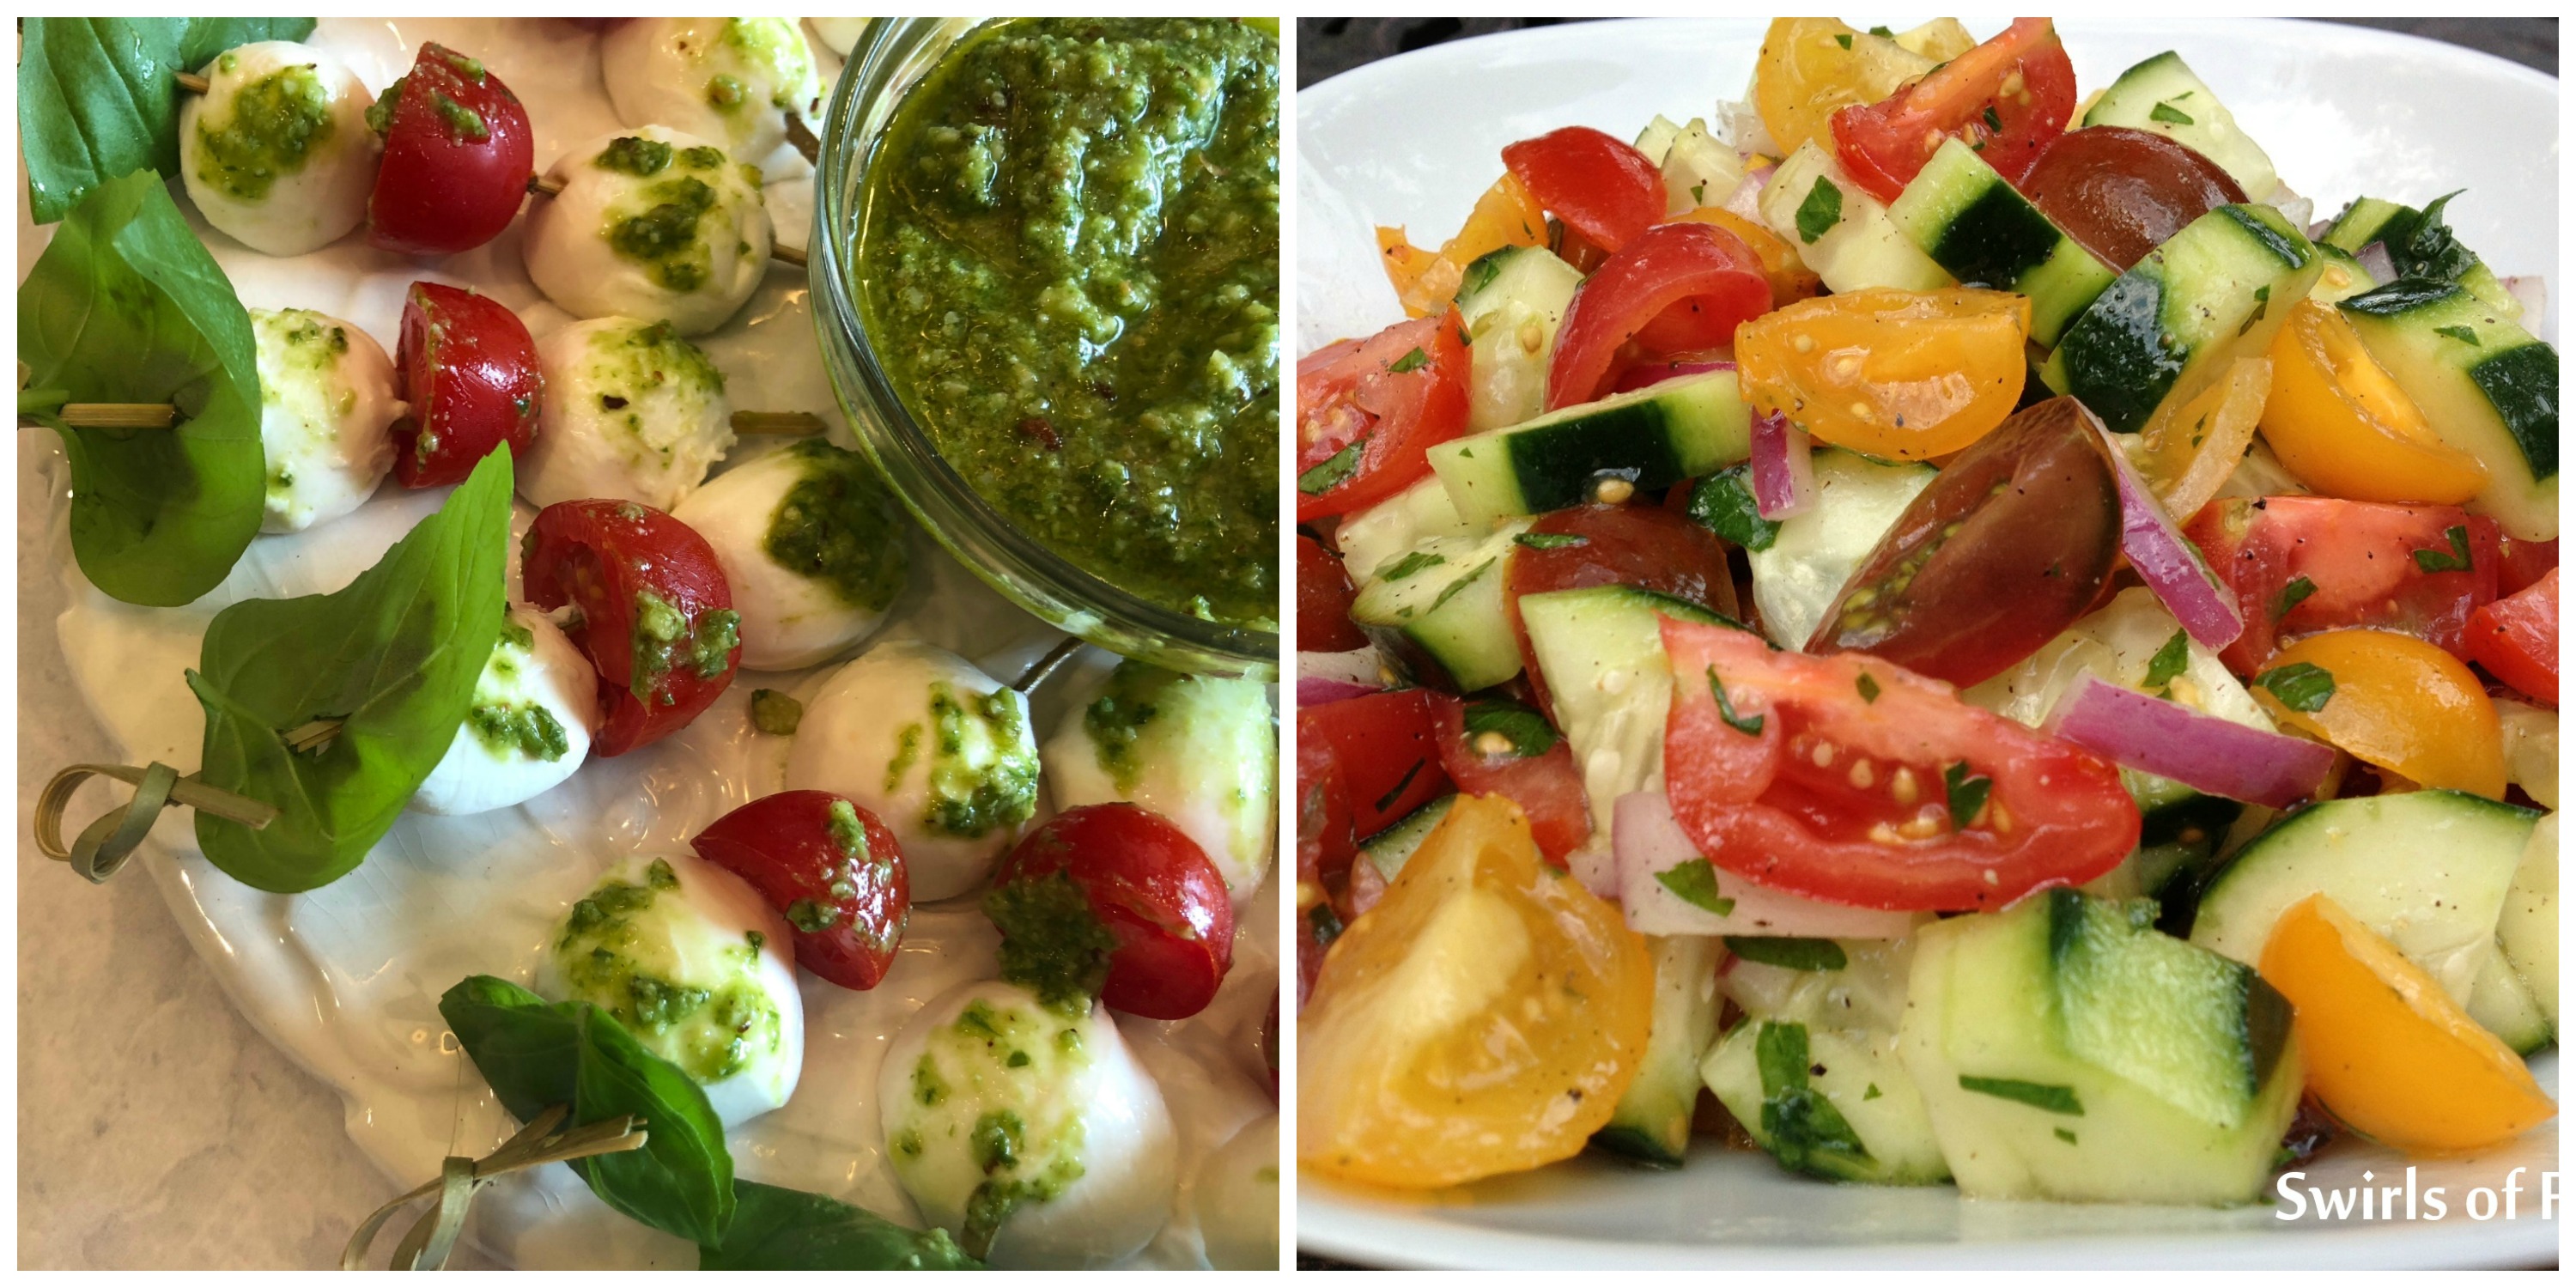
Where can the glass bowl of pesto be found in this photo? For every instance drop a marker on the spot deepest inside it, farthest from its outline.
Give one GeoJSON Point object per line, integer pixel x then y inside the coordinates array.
{"type": "Point", "coordinates": [1074, 385]}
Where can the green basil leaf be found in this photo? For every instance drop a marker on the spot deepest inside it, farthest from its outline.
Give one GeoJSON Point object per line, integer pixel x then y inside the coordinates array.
{"type": "Point", "coordinates": [2052, 1097]}
{"type": "Point", "coordinates": [126, 306]}
{"type": "Point", "coordinates": [1789, 954]}
{"type": "Point", "coordinates": [1550, 540]}
{"type": "Point", "coordinates": [1801, 1122]}
{"type": "Point", "coordinates": [2464, 334]}
{"type": "Point", "coordinates": [781, 1229]}
{"type": "Point", "coordinates": [2301, 686]}
{"type": "Point", "coordinates": [2165, 112]}
{"type": "Point", "coordinates": [2421, 245]}
{"type": "Point", "coordinates": [2170, 661]}
{"type": "Point", "coordinates": [537, 1054]}
{"type": "Point", "coordinates": [1694, 882]}
{"type": "Point", "coordinates": [2456, 559]}
{"type": "Point", "coordinates": [1410, 564]}
{"type": "Point", "coordinates": [1327, 474]}
{"type": "Point", "coordinates": [99, 97]}
{"type": "Point", "coordinates": [393, 657]}
{"type": "Point", "coordinates": [1820, 211]}
{"type": "Point", "coordinates": [1750, 726]}
{"type": "Point", "coordinates": [2291, 596]}
{"type": "Point", "coordinates": [1723, 503]}
{"type": "Point", "coordinates": [1410, 362]}
{"type": "Point", "coordinates": [1968, 791]}
{"type": "Point", "coordinates": [1528, 731]}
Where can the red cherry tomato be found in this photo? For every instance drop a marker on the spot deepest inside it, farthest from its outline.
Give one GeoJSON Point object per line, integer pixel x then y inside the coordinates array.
{"type": "Point", "coordinates": [657, 617]}
{"type": "Point", "coordinates": [2010, 544]}
{"type": "Point", "coordinates": [1804, 781]}
{"type": "Point", "coordinates": [1597, 185]}
{"type": "Point", "coordinates": [831, 868]}
{"type": "Point", "coordinates": [1324, 601]}
{"type": "Point", "coordinates": [1383, 750]}
{"type": "Point", "coordinates": [458, 152]}
{"type": "Point", "coordinates": [2523, 562]}
{"type": "Point", "coordinates": [2121, 193]}
{"type": "Point", "coordinates": [1546, 785]}
{"type": "Point", "coordinates": [1701, 268]}
{"type": "Point", "coordinates": [2008, 97]}
{"type": "Point", "coordinates": [1615, 545]}
{"type": "Point", "coordinates": [2304, 564]}
{"type": "Point", "coordinates": [1326, 842]}
{"type": "Point", "coordinates": [2516, 639]}
{"type": "Point", "coordinates": [1153, 889]}
{"type": "Point", "coordinates": [1368, 410]}
{"type": "Point", "coordinates": [467, 371]}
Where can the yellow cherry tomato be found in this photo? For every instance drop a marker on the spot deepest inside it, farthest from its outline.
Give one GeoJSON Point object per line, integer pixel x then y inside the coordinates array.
{"type": "Point", "coordinates": [1507, 215]}
{"type": "Point", "coordinates": [1905, 375]}
{"type": "Point", "coordinates": [1484, 1017]}
{"type": "Point", "coordinates": [2343, 427]}
{"type": "Point", "coordinates": [2388, 1052]}
{"type": "Point", "coordinates": [1790, 280]}
{"type": "Point", "coordinates": [2396, 701]}
{"type": "Point", "coordinates": [1811, 68]}
{"type": "Point", "coordinates": [2190, 446]}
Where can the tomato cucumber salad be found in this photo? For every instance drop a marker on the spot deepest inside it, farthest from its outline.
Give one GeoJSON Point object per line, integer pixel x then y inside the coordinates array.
{"type": "Point", "coordinates": [1949, 610]}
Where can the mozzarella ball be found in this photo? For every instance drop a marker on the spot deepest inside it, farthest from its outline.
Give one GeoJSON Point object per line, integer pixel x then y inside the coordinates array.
{"type": "Point", "coordinates": [733, 80]}
{"type": "Point", "coordinates": [937, 749]}
{"type": "Point", "coordinates": [651, 223]}
{"type": "Point", "coordinates": [694, 963]}
{"type": "Point", "coordinates": [529, 727]}
{"type": "Point", "coordinates": [631, 411]}
{"type": "Point", "coordinates": [1034, 1129]}
{"type": "Point", "coordinates": [1236, 1196]}
{"type": "Point", "coordinates": [1197, 750]}
{"type": "Point", "coordinates": [277, 151]}
{"type": "Point", "coordinates": [840, 35]}
{"type": "Point", "coordinates": [811, 544]}
{"type": "Point", "coordinates": [326, 395]}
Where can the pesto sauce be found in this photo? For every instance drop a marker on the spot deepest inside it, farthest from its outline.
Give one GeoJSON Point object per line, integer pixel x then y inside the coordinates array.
{"type": "Point", "coordinates": [1001, 1063]}
{"type": "Point", "coordinates": [278, 121]}
{"type": "Point", "coordinates": [661, 229]}
{"type": "Point", "coordinates": [837, 526]}
{"type": "Point", "coordinates": [1070, 271]}
{"type": "Point", "coordinates": [966, 798]}
{"type": "Point", "coordinates": [665, 639]}
{"type": "Point", "coordinates": [709, 1032]}
{"type": "Point", "coordinates": [1052, 942]}
{"type": "Point", "coordinates": [505, 722]}
{"type": "Point", "coordinates": [1117, 719]}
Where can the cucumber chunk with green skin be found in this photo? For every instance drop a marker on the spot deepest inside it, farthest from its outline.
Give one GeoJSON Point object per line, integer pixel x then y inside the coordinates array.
{"type": "Point", "coordinates": [2163, 96]}
{"type": "Point", "coordinates": [2483, 383]}
{"type": "Point", "coordinates": [2342, 277]}
{"type": "Point", "coordinates": [1977, 228]}
{"type": "Point", "coordinates": [2067, 1050]}
{"type": "Point", "coordinates": [1440, 610]}
{"type": "Point", "coordinates": [2426, 870]}
{"type": "Point", "coordinates": [2214, 292]}
{"type": "Point", "coordinates": [1653, 1121]}
{"type": "Point", "coordinates": [1383, 533]}
{"type": "Point", "coordinates": [1512, 301]}
{"type": "Point", "coordinates": [2370, 219]}
{"type": "Point", "coordinates": [1389, 849]}
{"type": "Point", "coordinates": [1646, 439]}
{"type": "Point", "coordinates": [1841, 233]}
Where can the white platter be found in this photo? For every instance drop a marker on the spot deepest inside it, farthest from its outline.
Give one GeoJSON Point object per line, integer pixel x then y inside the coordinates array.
{"type": "Point", "coordinates": [2344, 111]}
{"type": "Point", "coordinates": [346, 979]}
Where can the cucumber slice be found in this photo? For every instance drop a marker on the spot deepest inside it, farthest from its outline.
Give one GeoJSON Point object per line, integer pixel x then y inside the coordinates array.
{"type": "Point", "coordinates": [1376, 537]}
{"type": "Point", "coordinates": [1648, 439]}
{"type": "Point", "coordinates": [1530, 275]}
{"type": "Point", "coordinates": [1699, 170]}
{"type": "Point", "coordinates": [1979, 230]}
{"type": "Point", "coordinates": [1858, 498]}
{"type": "Point", "coordinates": [2528, 931]}
{"type": "Point", "coordinates": [2484, 384]}
{"type": "Point", "coordinates": [1440, 611]}
{"type": "Point", "coordinates": [2502, 1004]}
{"type": "Point", "coordinates": [2342, 277]}
{"type": "Point", "coordinates": [1512, 301]}
{"type": "Point", "coordinates": [1842, 233]}
{"type": "Point", "coordinates": [2370, 219]}
{"type": "Point", "coordinates": [1390, 848]}
{"type": "Point", "coordinates": [1601, 651]}
{"type": "Point", "coordinates": [2066, 1050]}
{"type": "Point", "coordinates": [1653, 1121]}
{"type": "Point", "coordinates": [1886, 1133]}
{"type": "Point", "coordinates": [2426, 870]}
{"type": "Point", "coordinates": [2163, 96]}
{"type": "Point", "coordinates": [2214, 292]}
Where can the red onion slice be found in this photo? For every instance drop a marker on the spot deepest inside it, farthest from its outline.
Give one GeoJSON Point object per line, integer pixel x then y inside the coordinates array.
{"type": "Point", "coordinates": [1784, 475]}
{"type": "Point", "coordinates": [2374, 261]}
{"type": "Point", "coordinates": [1649, 841]}
{"type": "Point", "coordinates": [2198, 750]}
{"type": "Point", "coordinates": [1331, 677]}
{"type": "Point", "coordinates": [2167, 561]}
{"type": "Point", "coordinates": [1746, 201]}
{"type": "Point", "coordinates": [2533, 294]}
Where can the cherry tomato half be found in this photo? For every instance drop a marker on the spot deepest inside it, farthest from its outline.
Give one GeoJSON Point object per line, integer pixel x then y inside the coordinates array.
{"type": "Point", "coordinates": [831, 868]}
{"type": "Point", "coordinates": [466, 370]}
{"type": "Point", "coordinates": [2516, 638]}
{"type": "Point", "coordinates": [657, 617]}
{"type": "Point", "coordinates": [1599, 186]}
{"type": "Point", "coordinates": [1383, 751]}
{"type": "Point", "coordinates": [1151, 887]}
{"type": "Point", "coordinates": [2304, 564]}
{"type": "Point", "coordinates": [1324, 601]}
{"type": "Point", "coordinates": [2007, 97]}
{"type": "Point", "coordinates": [1704, 271]}
{"type": "Point", "coordinates": [1494, 747]}
{"type": "Point", "coordinates": [1368, 411]}
{"type": "Point", "coordinates": [2121, 193]}
{"type": "Point", "coordinates": [458, 152]}
{"type": "Point", "coordinates": [1852, 780]}
{"type": "Point", "coordinates": [2008, 546]}
{"type": "Point", "coordinates": [1614, 545]}
{"type": "Point", "coordinates": [1904, 374]}
{"type": "Point", "coordinates": [2523, 563]}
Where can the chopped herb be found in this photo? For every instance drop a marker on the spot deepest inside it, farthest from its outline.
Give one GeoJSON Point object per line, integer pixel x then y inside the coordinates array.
{"type": "Point", "coordinates": [1723, 503]}
{"type": "Point", "coordinates": [1843, 39]}
{"type": "Point", "coordinates": [1483, 270]}
{"type": "Point", "coordinates": [2460, 333]}
{"type": "Point", "coordinates": [2301, 686]}
{"type": "Point", "coordinates": [1451, 591]}
{"type": "Point", "coordinates": [1882, 33]}
{"type": "Point", "coordinates": [2292, 596]}
{"type": "Point", "coordinates": [1327, 926]}
{"type": "Point", "coordinates": [2455, 560]}
{"type": "Point", "coordinates": [1699, 194]}
{"type": "Point", "coordinates": [1868, 687]}
{"type": "Point", "coordinates": [1801, 1123]}
{"type": "Point", "coordinates": [1751, 726]}
{"type": "Point", "coordinates": [2262, 305]}
{"type": "Point", "coordinates": [2167, 113]}
{"type": "Point", "coordinates": [1550, 540]}
{"type": "Point", "coordinates": [1968, 791]}
{"type": "Point", "coordinates": [1822, 209]}
{"type": "Point", "coordinates": [1410, 362]}
{"type": "Point", "coordinates": [2065, 1135]}
{"type": "Point", "coordinates": [774, 713]}
{"type": "Point", "coordinates": [1788, 954]}
{"type": "Point", "coordinates": [1526, 728]}
{"type": "Point", "coordinates": [1409, 565]}
{"type": "Point", "coordinates": [2038, 1095]}
{"type": "Point", "coordinates": [1993, 122]}
{"type": "Point", "coordinates": [2171, 660]}
{"type": "Point", "coordinates": [1873, 1093]}
{"type": "Point", "coordinates": [1329, 473]}
{"type": "Point", "coordinates": [1396, 793]}
{"type": "Point", "coordinates": [1694, 882]}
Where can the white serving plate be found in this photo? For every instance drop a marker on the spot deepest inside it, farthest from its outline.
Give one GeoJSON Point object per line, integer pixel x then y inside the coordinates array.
{"type": "Point", "coordinates": [2344, 111]}
{"type": "Point", "coordinates": [346, 979]}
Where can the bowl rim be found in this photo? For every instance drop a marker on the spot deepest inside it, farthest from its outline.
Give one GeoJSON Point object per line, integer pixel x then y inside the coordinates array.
{"type": "Point", "coordinates": [1030, 574]}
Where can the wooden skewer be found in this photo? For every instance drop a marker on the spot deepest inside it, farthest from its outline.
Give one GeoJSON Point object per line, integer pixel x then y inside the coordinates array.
{"type": "Point", "coordinates": [786, 424]}
{"type": "Point", "coordinates": [191, 82]}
